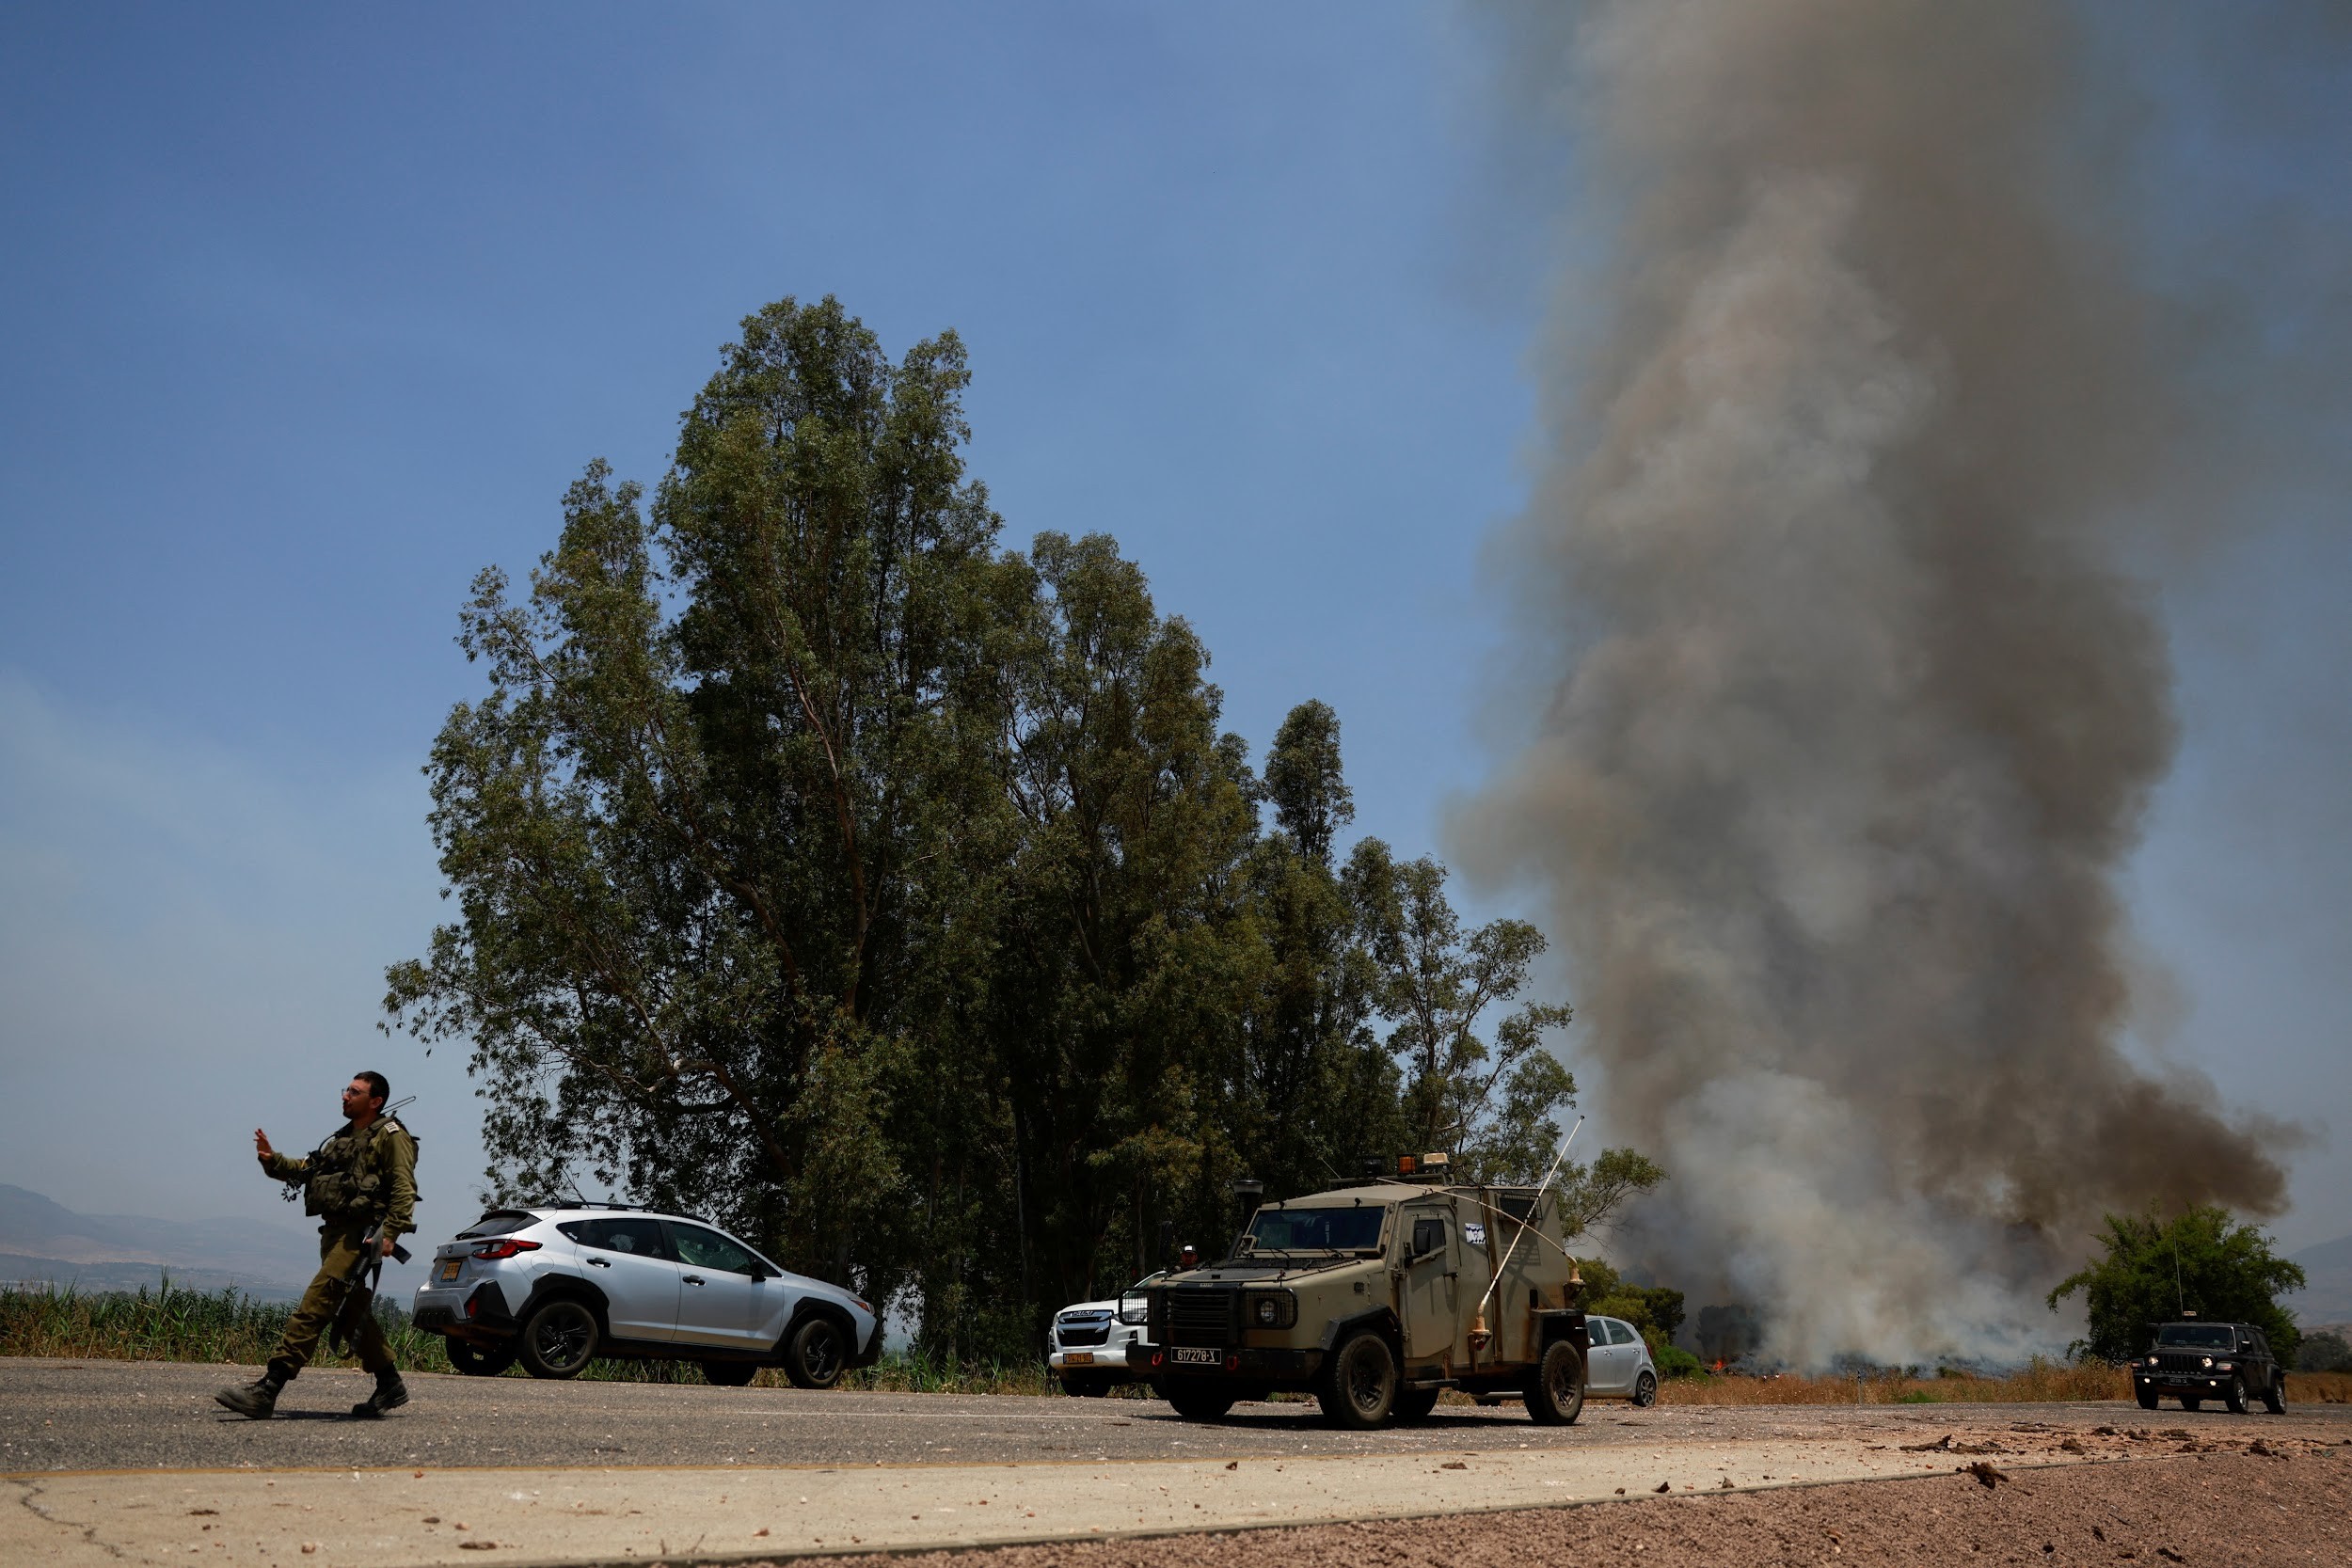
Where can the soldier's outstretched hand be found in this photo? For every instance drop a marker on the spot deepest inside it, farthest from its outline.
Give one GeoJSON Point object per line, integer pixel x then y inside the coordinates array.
{"type": "Point", "coordinates": [261, 1145]}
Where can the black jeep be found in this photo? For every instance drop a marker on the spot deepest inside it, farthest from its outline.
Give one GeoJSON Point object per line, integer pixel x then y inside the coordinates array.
{"type": "Point", "coordinates": [2194, 1362]}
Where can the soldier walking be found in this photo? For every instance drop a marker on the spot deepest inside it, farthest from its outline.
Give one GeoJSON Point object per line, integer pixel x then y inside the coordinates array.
{"type": "Point", "coordinates": [362, 1179]}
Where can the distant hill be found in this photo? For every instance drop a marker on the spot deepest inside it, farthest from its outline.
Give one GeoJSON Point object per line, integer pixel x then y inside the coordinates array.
{"type": "Point", "coordinates": [2328, 1297]}
{"type": "Point", "coordinates": [41, 1240]}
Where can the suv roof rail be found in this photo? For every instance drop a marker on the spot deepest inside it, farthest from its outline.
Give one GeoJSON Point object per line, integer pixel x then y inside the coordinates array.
{"type": "Point", "coordinates": [617, 1207]}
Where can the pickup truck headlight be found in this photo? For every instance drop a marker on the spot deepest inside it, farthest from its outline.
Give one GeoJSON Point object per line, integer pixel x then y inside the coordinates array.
{"type": "Point", "coordinates": [1134, 1310]}
{"type": "Point", "coordinates": [1270, 1309]}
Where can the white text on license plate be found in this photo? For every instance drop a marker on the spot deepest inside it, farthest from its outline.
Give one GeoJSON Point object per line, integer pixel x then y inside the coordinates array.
{"type": "Point", "coordinates": [448, 1270]}
{"type": "Point", "coordinates": [1197, 1357]}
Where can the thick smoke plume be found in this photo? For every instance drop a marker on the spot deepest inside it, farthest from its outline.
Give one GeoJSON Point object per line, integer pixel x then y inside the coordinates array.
{"type": "Point", "coordinates": [1852, 712]}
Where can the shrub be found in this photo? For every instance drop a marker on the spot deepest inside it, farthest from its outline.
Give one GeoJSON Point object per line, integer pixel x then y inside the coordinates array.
{"type": "Point", "coordinates": [1674, 1361]}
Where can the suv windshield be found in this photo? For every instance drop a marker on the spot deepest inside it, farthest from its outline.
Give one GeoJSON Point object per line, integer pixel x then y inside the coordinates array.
{"type": "Point", "coordinates": [1314, 1230]}
{"type": "Point", "coordinates": [2196, 1336]}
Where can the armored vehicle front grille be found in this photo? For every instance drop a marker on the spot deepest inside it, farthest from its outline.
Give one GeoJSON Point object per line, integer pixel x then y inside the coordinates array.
{"type": "Point", "coordinates": [1200, 1317]}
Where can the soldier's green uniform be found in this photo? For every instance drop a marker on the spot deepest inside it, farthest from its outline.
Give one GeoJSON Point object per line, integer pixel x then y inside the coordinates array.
{"type": "Point", "coordinates": [351, 1183]}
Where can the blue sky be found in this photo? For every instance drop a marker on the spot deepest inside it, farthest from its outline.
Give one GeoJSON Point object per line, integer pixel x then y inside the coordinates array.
{"type": "Point", "coordinates": [308, 314]}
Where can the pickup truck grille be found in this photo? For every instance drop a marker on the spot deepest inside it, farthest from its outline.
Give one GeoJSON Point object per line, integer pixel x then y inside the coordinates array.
{"type": "Point", "coordinates": [1200, 1317]}
{"type": "Point", "coordinates": [1093, 1333]}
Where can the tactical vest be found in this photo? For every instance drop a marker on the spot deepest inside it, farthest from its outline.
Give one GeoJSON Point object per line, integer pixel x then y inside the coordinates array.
{"type": "Point", "coordinates": [347, 1180]}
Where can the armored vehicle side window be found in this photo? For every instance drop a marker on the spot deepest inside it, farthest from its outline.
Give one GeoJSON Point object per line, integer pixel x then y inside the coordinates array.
{"type": "Point", "coordinates": [707, 1249]}
{"type": "Point", "coordinates": [640, 1238]}
{"type": "Point", "coordinates": [1429, 1236]}
{"type": "Point", "coordinates": [1520, 1207]}
{"type": "Point", "coordinates": [1315, 1229]}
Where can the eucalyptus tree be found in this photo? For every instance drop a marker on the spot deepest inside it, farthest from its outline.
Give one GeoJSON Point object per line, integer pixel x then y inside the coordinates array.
{"type": "Point", "coordinates": [722, 832]}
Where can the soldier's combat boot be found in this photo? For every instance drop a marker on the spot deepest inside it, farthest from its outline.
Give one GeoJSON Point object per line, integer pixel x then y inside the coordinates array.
{"type": "Point", "coordinates": [390, 1394]}
{"type": "Point", "coordinates": [258, 1398]}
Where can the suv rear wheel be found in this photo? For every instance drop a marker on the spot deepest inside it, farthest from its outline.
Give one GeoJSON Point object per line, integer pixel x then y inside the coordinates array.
{"type": "Point", "coordinates": [1555, 1395]}
{"type": "Point", "coordinates": [1360, 1383]}
{"type": "Point", "coordinates": [559, 1340]}
{"type": "Point", "coordinates": [1198, 1400]}
{"type": "Point", "coordinates": [816, 1354]}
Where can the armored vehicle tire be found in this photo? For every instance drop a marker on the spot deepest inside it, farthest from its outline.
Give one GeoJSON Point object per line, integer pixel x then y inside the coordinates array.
{"type": "Point", "coordinates": [2146, 1400]}
{"type": "Point", "coordinates": [1359, 1385]}
{"type": "Point", "coordinates": [473, 1360]}
{"type": "Point", "coordinates": [1197, 1400]}
{"type": "Point", "coordinates": [2275, 1397]}
{"type": "Point", "coordinates": [2234, 1395]}
{"type": "Point", "coordinates": [729, 1374]}
{"type": "Point", "coordinates": [1414, 1404]}
{"type": "Point", "coordinates": [1555, 1395]}
{"type": "Point", "coordinates": [559, 1340]}
{"type": "Point", "coordinates": [817, 1354]}
{"type": "Point", "coordinates": [1645, 1390]}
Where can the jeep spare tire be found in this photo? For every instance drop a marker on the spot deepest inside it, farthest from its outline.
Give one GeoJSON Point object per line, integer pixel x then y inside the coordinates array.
{"type": "Point", "coordinates": [1555, 1395]}
{"type": "Point", "coordinates": [559, 1340]}
{"type": "Point", "coordinates": [1359, 1385]}
{"type": "Point", "coordinates": [817, 1354]}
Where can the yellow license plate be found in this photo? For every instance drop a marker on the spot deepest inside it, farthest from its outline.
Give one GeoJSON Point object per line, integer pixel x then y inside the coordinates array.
{"type": "Point", "coordinates": [1078, 1358]}
{"type": "Point", "coordinates": [448, 1270]}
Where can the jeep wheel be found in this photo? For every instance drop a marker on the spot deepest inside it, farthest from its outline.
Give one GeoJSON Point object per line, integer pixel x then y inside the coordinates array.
{"type": "Point", "coordinates": [2147, 1398]}
{"type": "Point", "coordinates": [1360, 1383]}
{"type": "Point", "coordinates": [558, 1341]}
{"type": "Point", "coordinates": [817, 1352]}
{"type": "Point", "coordinates": [2234, 1395]}
{"type": "Point", "coordinates": [1197, 1400]}
{"type": "Point", "coordinates": [1414, 1404]}
{"type": "Point", "coordinates": [1645, 1390]}
{"type": "Point", "coordinates": [729, 1374]}
{"type": "Point", "coordinates": [2275, 1397]}
{"type": "Point", "coordinates": [472, 1360]}
{"type": "Point", "coordinates": [1555, 1396]}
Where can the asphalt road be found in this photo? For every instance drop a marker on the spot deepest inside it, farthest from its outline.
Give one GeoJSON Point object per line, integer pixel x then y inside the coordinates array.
{"type": "Point", "coordinates": [135, 1415]}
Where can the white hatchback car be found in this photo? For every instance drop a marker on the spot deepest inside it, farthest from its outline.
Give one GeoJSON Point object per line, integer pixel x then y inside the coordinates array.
{"type": "Point", "coordinates": [555, 1288]}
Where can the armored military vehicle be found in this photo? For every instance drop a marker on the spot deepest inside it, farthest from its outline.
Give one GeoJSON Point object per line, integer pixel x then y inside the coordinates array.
{"type": "Point", "coordinates": [1375, 1297]}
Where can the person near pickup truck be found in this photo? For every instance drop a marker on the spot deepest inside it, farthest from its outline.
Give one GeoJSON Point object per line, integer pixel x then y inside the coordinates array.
{"type": "Point", "coordinates": [360, 1182]}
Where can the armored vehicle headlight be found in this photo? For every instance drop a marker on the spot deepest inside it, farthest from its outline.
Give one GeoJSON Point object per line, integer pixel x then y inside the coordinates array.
{"type": "Point", "coordinates": [1273, 1308]}
{"type": "Point", "coordinates": [1134, 1310]}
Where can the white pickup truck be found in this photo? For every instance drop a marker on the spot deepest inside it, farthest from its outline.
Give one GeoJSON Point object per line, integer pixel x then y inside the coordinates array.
{"type": "Point", "coordinates": [1087, 1347]}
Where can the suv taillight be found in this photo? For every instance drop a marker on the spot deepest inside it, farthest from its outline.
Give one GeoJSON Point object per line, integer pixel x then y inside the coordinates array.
{"type": "Point", "coordinates": [505, 1248]}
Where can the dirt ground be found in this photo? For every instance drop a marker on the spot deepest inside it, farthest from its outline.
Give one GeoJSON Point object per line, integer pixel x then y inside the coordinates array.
{"type": "Point", "coordinates": [2194, 1503]}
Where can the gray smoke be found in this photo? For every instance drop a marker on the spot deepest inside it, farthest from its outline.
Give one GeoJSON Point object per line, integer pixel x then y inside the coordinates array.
{"type": "Point", "coordinates": [1850, 710]}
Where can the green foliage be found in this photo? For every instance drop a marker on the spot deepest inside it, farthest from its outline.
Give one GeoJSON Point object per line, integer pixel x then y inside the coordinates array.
{"type": "Point", "coordinates": [2202, 1263]}
{"type": "Point", "coordinates": [822, 865]}
{"type": "Point", "coordinates": [1674, 1361]}
{"type": "Point", "coordinates": [2324, 1352]}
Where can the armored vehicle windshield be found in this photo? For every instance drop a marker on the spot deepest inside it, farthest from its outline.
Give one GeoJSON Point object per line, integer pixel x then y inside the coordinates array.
{"type": "Point", "coordinates": [1350, 1229]}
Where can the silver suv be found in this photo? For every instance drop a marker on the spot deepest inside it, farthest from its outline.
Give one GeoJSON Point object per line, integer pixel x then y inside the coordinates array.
{"type": "Point", "coordinates": [555, 1288]}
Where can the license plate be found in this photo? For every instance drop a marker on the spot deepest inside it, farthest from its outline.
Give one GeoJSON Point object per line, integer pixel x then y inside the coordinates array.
{"type": "Point", "coordinates": [1078, 1358]}
{"type": "Point", "coordinates": [448, 1270]}
{"type": "Point", "coordinates": [1197, 1357]}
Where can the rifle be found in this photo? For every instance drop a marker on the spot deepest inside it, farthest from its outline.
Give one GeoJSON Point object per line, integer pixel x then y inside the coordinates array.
{"type": "Point", "coordinates": [368, 1267]}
